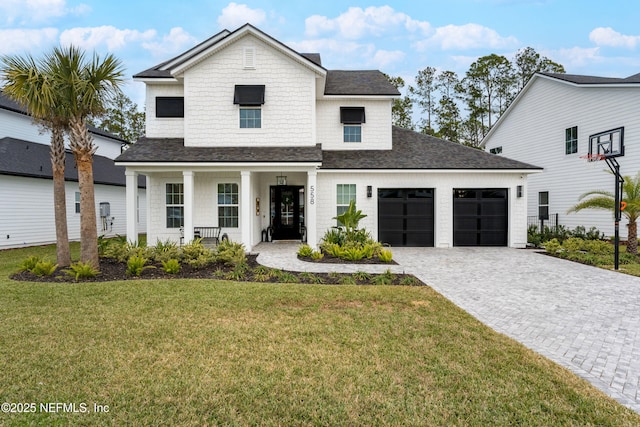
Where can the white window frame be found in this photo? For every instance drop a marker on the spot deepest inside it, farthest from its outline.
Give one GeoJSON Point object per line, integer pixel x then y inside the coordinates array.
{"type": "Point", "coordinates": [173, 204]}
{"type": "Point", "coordinates": [344, 199]}
{"type": "Point", "coordinates": [225, 205]}
{"type": "Point", "coordinates": [344, 133]}
{"type": "Point", "coordinates": [245, 107]}
{"type": "Point", "coordinates": [77, 202]}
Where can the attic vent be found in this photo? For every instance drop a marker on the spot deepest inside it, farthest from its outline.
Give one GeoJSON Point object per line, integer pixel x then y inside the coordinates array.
{"type": "Point", "coordinates": [249, 58]}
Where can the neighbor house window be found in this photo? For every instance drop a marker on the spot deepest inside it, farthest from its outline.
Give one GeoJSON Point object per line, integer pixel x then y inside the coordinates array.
{"type": "Point", "coordinates": [571, 140]}
{"type": "Point", "coordinates": [345, 194]}
{"type": "Point", "coordinates": [543, 205]}
{"type": "Point", "coordinates": [77, 202]}
{"type": "Point", "coordinates": [175, 205]}
{"type": "Point", "coordinates": [352, 119]}
{"type": "Point", "coordinates": [250, 98]}
{"type": "Point", "coordinates": [496, 150]}
{"type": "Point", "coordinates": [228, 205]}
{"type": "Point", "coordinates": [169, 106]}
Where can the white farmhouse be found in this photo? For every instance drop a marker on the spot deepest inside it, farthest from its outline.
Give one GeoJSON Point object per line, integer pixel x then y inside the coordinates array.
{"type": "Point", "coordinates": [26, 184]}
{"type": "Point", "coordinates": [549, 124]}
{"type": "Point", "coordinates": [249, 136]}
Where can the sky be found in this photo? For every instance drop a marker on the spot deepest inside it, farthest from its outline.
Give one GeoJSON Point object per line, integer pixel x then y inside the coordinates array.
{"type": "Point", "coordinates": [600, 38]}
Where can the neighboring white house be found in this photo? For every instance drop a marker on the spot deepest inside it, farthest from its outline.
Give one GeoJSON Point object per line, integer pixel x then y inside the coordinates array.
{"type": "Point", "coordinates": [26, 185]}
{"type": "Point", "coordinates": [549, 124]}
{"type": "Point", "coordinates": [246, 134]}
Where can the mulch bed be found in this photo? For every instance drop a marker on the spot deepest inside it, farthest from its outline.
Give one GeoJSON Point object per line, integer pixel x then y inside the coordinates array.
{"type": "Point", "coordinates": [328, 259]}
{"type": "Point", "coordinates": [111, 270]}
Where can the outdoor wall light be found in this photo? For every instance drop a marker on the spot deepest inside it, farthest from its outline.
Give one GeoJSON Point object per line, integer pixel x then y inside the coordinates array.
{"type": "Point", "coordinates": [519, 191]}
{"type": "Point", "coordinates": [281, 179]}
{"type": "Point", "coordinates": [369, 191]}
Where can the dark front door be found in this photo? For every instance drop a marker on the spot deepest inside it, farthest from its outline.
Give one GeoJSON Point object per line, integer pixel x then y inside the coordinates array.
{"type": "Point", "coordinates": [285, 202]}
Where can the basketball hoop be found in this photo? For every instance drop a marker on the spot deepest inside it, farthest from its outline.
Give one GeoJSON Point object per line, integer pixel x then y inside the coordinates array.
{"type": "Point", "coordinates": [593, 157]}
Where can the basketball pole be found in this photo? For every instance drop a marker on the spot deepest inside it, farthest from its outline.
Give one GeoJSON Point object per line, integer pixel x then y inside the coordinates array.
{"type": "Point", "coordinates": [615, 168]}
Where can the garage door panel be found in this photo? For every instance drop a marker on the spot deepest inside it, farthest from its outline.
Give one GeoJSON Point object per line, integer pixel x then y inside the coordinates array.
{"type": "Point", "coordinates": [480, 217]}
{"type": "Point", "coordinates": [406, 216]}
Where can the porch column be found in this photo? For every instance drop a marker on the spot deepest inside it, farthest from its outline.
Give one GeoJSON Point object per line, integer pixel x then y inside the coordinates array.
{"type": "Point", "coordinates": [131, 202]}
{"type": "Point", "coordinates": [245, 209]}
{"type": "Point", "coordinates": [310, 216]}
{"type": "Point", "coordinates": [187, 177]}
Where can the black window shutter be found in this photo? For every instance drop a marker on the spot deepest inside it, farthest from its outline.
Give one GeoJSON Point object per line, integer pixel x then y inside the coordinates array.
{"type": "Point", "coordinates": [249, 95]}
{"type": "Point", "coordinates": [352, 115]}
{"type": "Point", "coordinates": [170, 106]}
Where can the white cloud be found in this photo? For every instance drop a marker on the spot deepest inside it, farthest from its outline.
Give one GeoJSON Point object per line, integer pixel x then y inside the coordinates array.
{"type": "Point", "coordinates": [175, 42]}
{"type": "Point", "coordinates": [602, 36]}
{"type": "Point", "coordinates": [37, 11]}
{"type": "Point", "coordinates": [577, 57]}
{"type": "Point", "coordinates": [18, 41]}
{"type": "Point", "coordinates": [382, 58]}
{"type": "Point", "coordinates": [236, 15]}
{"type": "Point", "coordinates": [357, 23]}
{"type": "Point", "coordinates": [468, 36]}
{"type": "Point", "coordinates": [113, 38]}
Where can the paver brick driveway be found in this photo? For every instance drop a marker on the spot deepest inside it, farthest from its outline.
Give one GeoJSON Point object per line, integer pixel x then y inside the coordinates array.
{"type": "Point", "coordinates": [583, 318]}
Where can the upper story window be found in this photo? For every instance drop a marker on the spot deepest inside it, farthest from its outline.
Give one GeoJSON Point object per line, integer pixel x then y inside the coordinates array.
{"type": "Point", "coordinates": [250, 99]}
{"type": "Point", "coordinates": [352, 119]}
{"type": "Point", "coordinates": [170, 106]}
{"type": "Point", "coordinates": [571, 140]}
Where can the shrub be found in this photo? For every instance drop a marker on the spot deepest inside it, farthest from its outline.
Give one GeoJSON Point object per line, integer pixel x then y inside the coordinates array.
{"type": "Point", "coordinates": [332, 249]}
{"type": "Point", "coordinates": [136, 265]}
{"type": "Point", "coordinates": [598, 247]}
{"type": "Point", "coordinates": [409, 281]}
{"type": "Point", "coordinates": [116, 249]}
{"type": "Point", "coordinates": [44, 268]}
{"type": "Point", "coordinates": [361, 276]}
{"type": "Point", "coordinates": [552, 246]}
{"type": "Point", "coordinates": [81, 270]}
{"type": "Point", "coordinates": [385, 255]}
{"type": "Point", "coordinates": [385, 278]}
{"type": "Point", "coordinates": [334, 236]}
{"type": "Point", "coordinates": [165, 251]}
{"type": "Point", "coordinates": [30, 263]}
{"type": "Point", "coordinates": [287, 277]}
{"type": "Point", "coordinates": [573, 244]}
{"type": "Point", "coordinates": [171, 266]}
{"type": "Point", "coordinates": [305, 251]}
{"type": "Point", "coordinates": [197, 255]}
{"type": "Point", "coordinates": [238, 273]}
{"type": "Point", "coordinates": [230, 253]}
{"type": "Point", "coordinates": [352, 254]}
{"type": "Point", "coordinates": [347, 280]}
{"type": "Point", "coordinates": [311, 278]}
{"type": "Point", "coordinates": [317, 255]}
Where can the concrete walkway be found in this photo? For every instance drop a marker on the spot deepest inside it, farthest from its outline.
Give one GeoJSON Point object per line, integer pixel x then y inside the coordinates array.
{"type": "Point", "coordinates": [583, 318]}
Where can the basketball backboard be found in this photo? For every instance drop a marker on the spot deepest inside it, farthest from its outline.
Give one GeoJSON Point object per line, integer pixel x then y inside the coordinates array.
{"type": "Point", "coordinates": [609, 143]}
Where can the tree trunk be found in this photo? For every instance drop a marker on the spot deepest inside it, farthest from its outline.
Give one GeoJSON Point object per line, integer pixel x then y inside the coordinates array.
{"type": "Point", "coordinates": [632, 238]}
{"type": "Point", "coordinates": [63, 255]}
{"type": "Point", "coordinates": [83, 150]}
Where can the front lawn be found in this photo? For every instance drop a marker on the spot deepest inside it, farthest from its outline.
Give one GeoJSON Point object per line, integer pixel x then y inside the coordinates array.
{"type": "Point", "coordinates": [211, 352]}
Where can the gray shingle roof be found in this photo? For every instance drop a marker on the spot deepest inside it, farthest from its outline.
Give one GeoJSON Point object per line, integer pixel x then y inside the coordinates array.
{"type": "Point", "coordinates": [363, 82]}
{"type": "Point", "coordinates": [173, 150]}
{"type": "Point", "coordinates": [413, 150]}
{"type": "Point", "coordinates": [8, 104]}
{"type": "Point", "coordinates": [30, 159]}
{"type": "Point", "coordinates": [591, 80]}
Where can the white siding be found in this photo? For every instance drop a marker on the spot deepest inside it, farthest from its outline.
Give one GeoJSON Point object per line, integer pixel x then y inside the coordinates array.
{"type": "Point", "coordinates": [211, 117]}
{"type": "Point", "coordinates": [534, 132]}
{"type": "Point", "coordinates": [376, 132]}
{"type": "Point", "coordinates": [27, 217]}
{"type": "Point", "coordinates": [162, 127]}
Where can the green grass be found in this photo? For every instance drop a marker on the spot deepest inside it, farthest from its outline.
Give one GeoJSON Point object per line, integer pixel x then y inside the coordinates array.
{"type": "Point", "coordinates": [208, 352]}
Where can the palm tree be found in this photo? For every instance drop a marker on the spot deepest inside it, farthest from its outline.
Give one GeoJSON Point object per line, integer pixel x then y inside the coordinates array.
{"type": "Point", "coordinates": [606, 200]}
{"type": "Point", "coordinates": [86, 87]}
{"type": "Point", "coordinates": [29, 83]}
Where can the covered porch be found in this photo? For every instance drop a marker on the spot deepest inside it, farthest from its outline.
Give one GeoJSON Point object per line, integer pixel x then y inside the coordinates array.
{"type": "Point", "coordinates": [249, 203]}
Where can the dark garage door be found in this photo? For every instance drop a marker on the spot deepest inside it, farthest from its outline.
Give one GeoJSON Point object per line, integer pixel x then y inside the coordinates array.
{"type": "Point", "coordinates": [480, 217]}
{"type": "Point", "coordinates": [405, 216]}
